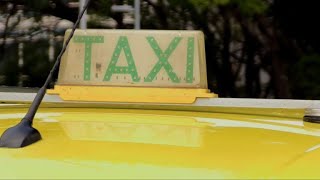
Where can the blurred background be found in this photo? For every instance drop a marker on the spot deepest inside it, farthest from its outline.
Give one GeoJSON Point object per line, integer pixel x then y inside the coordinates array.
{"type": "Point", "coordinates": [254, 48]}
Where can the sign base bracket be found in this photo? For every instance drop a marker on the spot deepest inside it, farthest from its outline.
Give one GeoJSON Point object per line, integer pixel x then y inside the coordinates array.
{"type": "Point", "coordinates": [130, 94]}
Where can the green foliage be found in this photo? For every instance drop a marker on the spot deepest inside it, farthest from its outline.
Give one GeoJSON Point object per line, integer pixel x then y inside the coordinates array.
{"type": "Point", "coordinates": [250, 7]}
{"type": "Point", "coordinates": [101, 7]}
{"type": "Point", "coordinates": [36, 64]}
{"type": "Point", "coordinates": [208, 3]}
{"type": "Point", "coordinates": [9, 65]}
{"type": "Point", "coordinates": [305, 77]}
{"type": "Point", "coordinates": [240, 34]}
{"type": "Point", "coordinates": [246, 7]}
{"type": "Point", "coordinates": [37, 4]}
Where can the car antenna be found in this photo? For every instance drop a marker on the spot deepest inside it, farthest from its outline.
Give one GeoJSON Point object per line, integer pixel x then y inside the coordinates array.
{"type": "Point", "coordinates": [23, 134]}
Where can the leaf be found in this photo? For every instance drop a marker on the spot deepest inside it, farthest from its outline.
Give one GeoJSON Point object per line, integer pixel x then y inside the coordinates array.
{"type": "Point", "coordinates": [37, 4]}
{"type": "Point", "coordinates": [250, 7]}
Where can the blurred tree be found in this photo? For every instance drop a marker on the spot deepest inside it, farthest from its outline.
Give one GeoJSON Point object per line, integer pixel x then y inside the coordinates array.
{"type": "Point", "coordinates": [9, 11]}
{"type": "Point", "coordinates": [36, 64]}
{"type": "Point", "coordinates": [231, 38]}
{"type": "Point", "coordinates": [251, 45]}
{"type": "Point", "coordinates": [9, 66]}
{"type": "Point", "coordinates": [305, 79]}
{"type": "Point", "coordinates": [297, 22]}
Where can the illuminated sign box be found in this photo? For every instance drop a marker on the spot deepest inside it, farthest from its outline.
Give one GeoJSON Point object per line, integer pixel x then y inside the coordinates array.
{"type": "Point", "coordinates": [132, 59]}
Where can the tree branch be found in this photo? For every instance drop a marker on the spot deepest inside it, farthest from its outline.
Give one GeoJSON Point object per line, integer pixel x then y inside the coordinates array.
{"type": "Point", "coordinates": [6, 27]}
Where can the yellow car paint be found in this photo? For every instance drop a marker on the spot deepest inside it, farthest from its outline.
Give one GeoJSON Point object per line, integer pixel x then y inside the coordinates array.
{"type": "Point", "coordinates": [130, 94]}
{"type": "Point", "coordinates": [89, 143]}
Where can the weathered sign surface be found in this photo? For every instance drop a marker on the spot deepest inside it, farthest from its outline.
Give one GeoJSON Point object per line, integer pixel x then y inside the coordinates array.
{"type": "Point", "coordinates": [135, 58]}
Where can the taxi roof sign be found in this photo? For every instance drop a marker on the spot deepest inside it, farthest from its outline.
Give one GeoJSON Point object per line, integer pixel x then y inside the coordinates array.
{"type": "Point", "coordinates": [134, 58]}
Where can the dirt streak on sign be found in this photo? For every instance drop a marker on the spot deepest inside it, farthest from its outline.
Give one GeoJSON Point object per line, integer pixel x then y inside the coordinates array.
{"type": "Point", "coordinates": [135, 58]}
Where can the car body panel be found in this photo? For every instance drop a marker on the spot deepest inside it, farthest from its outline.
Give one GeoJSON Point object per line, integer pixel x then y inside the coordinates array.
{"type": "Point", "coordinates": [155, 144]}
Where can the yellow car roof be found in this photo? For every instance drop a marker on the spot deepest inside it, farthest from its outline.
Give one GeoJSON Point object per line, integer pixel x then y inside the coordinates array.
{"type": "Point", "coordinates": [88, 143]}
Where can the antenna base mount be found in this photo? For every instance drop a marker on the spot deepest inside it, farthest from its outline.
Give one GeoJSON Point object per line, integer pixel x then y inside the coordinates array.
{"type": "Point", "coordinates": [20, 135]}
